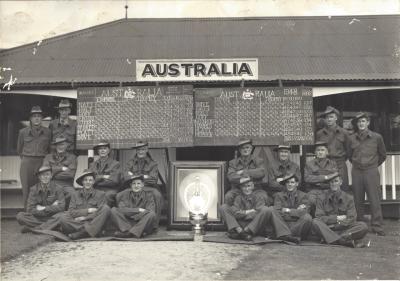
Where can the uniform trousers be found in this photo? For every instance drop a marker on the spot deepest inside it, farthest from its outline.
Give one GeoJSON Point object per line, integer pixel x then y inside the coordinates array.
{"type": "Point", "coordinates": [129, 221]}
{"type": "Point", "coordinates": [257, 225]}
{"type": "Point", "coordinates": [41, 222]}
{"type": "Point", "coordinates": [301, 227]}
{"type": "Point", "coordinates": [27, 172]}
{"type": "Point", "coordinates": [158, 200]}
{"type": "Point", "coordinates": [111, 192]}
{"type": "Point", "coordinates": [93, 225]}
{"type": "Point", "coordinates": [343, 172]}
{"type": "Point", "coordinates": [68, 190]}
{"type": "Point", "coordinates": [356, 230]}
{"type": "Point", "coordinates": [367, 181]}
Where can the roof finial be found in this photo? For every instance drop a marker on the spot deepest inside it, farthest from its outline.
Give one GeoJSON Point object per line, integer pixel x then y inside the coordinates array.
{"type": "Point", "coordinates": [126, 10]}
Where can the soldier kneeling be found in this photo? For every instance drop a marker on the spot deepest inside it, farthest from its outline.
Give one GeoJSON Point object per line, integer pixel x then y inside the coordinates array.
{"type": "Point", "coordinates": [335, 214]}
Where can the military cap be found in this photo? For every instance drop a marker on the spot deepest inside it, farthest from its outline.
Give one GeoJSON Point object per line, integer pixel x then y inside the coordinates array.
{"type": "Point", "coordinates": [85, 173]}
{"type": "Point", "coordinates": [244, 141]}
{"type": "Point", "coordinates": [140, 144]}
{"type": "Point", "coordinates": [358, 116]}
{"type": "Point", "coordinates": [101, 143]}
{"type": "Point", "coordinates": [64, 104]}
{"type": "Point", "coordinates": [244, 180]}
{"type": "Point", "coordinates": [329, 109]}
{"type": "Point", "coordinates": [43, 169]}
{"type": "Point", "coordinates": [131, 178]}
{"type": "Point", "coordinates": [286, 178]}
{"type": "Point", "coordinates": [59, 139]}
{"type": "Point", "coordinates": [320, 143]}
{"type": "Point", "coordinates": [282, 147]}
{"type": "Point", "coordinates": [36, 109]}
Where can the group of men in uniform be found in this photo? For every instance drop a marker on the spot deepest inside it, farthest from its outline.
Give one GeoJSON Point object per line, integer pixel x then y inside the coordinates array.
{"type": "Point", "coordinates": [263, 199]}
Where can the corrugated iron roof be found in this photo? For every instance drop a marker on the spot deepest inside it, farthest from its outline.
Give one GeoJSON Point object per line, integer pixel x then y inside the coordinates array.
{"type": "Point", "coordinates": [299, 48]}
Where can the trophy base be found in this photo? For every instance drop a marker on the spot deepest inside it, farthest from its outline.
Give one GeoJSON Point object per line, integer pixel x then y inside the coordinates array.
{"type": "Point", "coordinates": [198, 230]}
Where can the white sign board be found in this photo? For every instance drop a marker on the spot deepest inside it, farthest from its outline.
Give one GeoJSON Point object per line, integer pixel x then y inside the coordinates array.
{"type": "Point", "coordinates": [197, 69]}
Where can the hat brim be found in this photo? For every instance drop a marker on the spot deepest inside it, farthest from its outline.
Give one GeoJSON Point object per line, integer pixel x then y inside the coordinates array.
{"type": "Point", "coordinates": [36, 112]}
{"type": "Point", "coordinates": [282, 148]}
{"type": "Point", "coordinates": [355, 120]}
{"type": "Point", "coordinates": [57, 142]}
{"type": "Point", "coordinates": [60, 107]}
{"type": "Point", "coordinates": [100, 145]}
{"type": "Point", "coordinates": [80, 178]}
{"type": "Point", "coordinates": [43, 171]}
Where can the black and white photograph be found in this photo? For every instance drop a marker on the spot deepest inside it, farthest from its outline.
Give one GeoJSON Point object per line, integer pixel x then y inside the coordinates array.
{"type": "Point", "coordinates": [200, 140]}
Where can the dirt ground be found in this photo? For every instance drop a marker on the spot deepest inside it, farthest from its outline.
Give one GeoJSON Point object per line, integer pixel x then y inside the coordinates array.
{"type": "Point", "coordinates": [114, 260]}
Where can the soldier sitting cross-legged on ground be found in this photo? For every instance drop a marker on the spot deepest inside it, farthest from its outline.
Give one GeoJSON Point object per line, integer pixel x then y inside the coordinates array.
{"type": "Point", "coordinates": [249, 216]}
{"type": "Point", "coordinates": [293, 205]}
{"type": "Point", "coordinates": [335, 220]}
{"type": "Point", "coordinates": [88, 212]}
{"type": "Point", "coordinates": [135, 215]}
{"type": "Point", "coordinates": [45, 202]}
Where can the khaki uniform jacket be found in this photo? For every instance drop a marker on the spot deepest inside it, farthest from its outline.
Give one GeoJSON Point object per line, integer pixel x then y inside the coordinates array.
{"type": "Point", "coordinates": [109, 167]}
{"type": "Point", "coordinates": [81, 201]}
{"type": "Point", "coordinates": [254, 168]}
{"type": "Point", "coordinates": [131, 202]}
{"type": "Point", "coordinates": [315, 172]}
{"type": "Point", "coordinates": [328, 208]}
{"type": "Point", "coordinates": [282, 200]}
{"type": "Point", "coordinates": [367, 150]}
{"type": "Point", "coordinates": [57, 162]}
{"type": "Point", "coordinates": [247, 202]}
{"type": "Point", "coordinates": [46, 197]}
{"type": "Point", "coordinates": [67, 130]}
{"type": "Point", "coordinates": [279, 169]}
{"type": "Point", "coordinates": [338, 141]}
{"type": "Point", "coordinates": [148, 167]}
{"type": "Point", "coordinates": [29, 144]}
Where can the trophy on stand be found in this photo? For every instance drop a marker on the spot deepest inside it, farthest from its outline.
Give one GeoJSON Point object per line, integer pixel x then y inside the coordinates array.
{"type": "Point", "coordinates": [198, 197]}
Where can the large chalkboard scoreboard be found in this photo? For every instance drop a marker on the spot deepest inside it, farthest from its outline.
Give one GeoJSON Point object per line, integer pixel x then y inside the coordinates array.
{"type": "Point", "coordinates": [267, 115]}
{"type": "Point", "coordinates": [123, 115]}
{"type": "Point", "coordinates": [174, 116]}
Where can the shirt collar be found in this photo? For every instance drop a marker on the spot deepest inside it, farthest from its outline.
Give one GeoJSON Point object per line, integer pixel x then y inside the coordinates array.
{"type": "Point", "coordinates": [332, 195]}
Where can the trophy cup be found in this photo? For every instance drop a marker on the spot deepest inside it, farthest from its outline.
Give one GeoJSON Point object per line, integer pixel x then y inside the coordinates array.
{"type": "Point", "coordinates": [197, 195]}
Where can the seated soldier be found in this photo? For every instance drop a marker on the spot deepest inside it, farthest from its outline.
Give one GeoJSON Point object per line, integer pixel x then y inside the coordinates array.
{"type": "Point", "coordinates": [335, 217]}
{"type": "Point", "coordinates": [245, 163]}
{"type": "Point", "coordinates": [293, 206]}
{"type": "Point", "coordinates": [45, 200]}
{"type": "Point", "coordinates": [143, 164]}
{"type": "Point", "coordinates": [135, 212]}
{"type": "Point", "coordinates": [88, 211]}
{"type": "Point", "coordinates": [249, 216]}
{"type": "Point", "coordinates": [317, 171]}
{"type": "Point", "coordinates": [279, 168]}
{"type": "Point", "coordinates": [63, 165]}
{"type": "Point", "coordinates": [107, 172]}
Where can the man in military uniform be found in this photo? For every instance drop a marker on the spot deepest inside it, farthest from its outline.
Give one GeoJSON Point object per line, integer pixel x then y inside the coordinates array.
{"type": "Point", "coordinates": [338, 142]}
{"type": "Point", "coordinates": [88, 211]}
{"type": "Point", "coordinates": [64, 126]}
{"type": "Point", "coordinates": [293, 206]}
{"type": "Point", "coordinates": [317, 171]}
{"type": "Point", "coordinates": [245, 163]}
{"type": "Point", "coordinates": [32, 146]}
{"type": "Point", "coordinates": [335, 217]}
{"type": "Point", "coordinates": [135, 215]}
{"type": "Point", "coordinates": [107, 172]}
{"type": "Point", "coordinates": [279, 168]}
{"type": "Point", "coordinates": [250, 216]}
{"type": "Point", "coordinates": [46, 200]}
{"type": "Point", "coordinates": [368, 151]}
{"type": "Point", "coordinates": [63, 165]}
{"type": "Point", "coordinates": [143, 164]}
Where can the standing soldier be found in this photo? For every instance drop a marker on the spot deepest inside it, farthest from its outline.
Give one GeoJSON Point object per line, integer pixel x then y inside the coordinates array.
{"type": "Point", "coordinates": [45, 201]}
{"type": "Point", "coordinates": [335, 217]}
{"type": "Point", "coordinates": [32, 146]}
{"type": "Point", "coordinates": [317, 171]}
{"type": "Point", "coordinates": [135, 215]}
{"type": "Point", "coordinates": [249, 216]}
{"type": "Point", "coordinates": [338, 142]}
{"type": "Point", "coordinates": [63, 165]}
{"type": "Point", "coordinates": [64, 125]}
{"type": "Point", "coordinates": [293, 206]}
{"type": "Point", "coordinates": [107, 172]}
{"type": "Point", "coordinates": [88, 211]}
{"type": "Point", "coordinates": [245, 164]}
{"type": "Point", "coordinates": [143, 164]}
{"type": "Point", "coordinates": [367, 153]}
{"type": "Point", "coordinates": [278, 169]}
